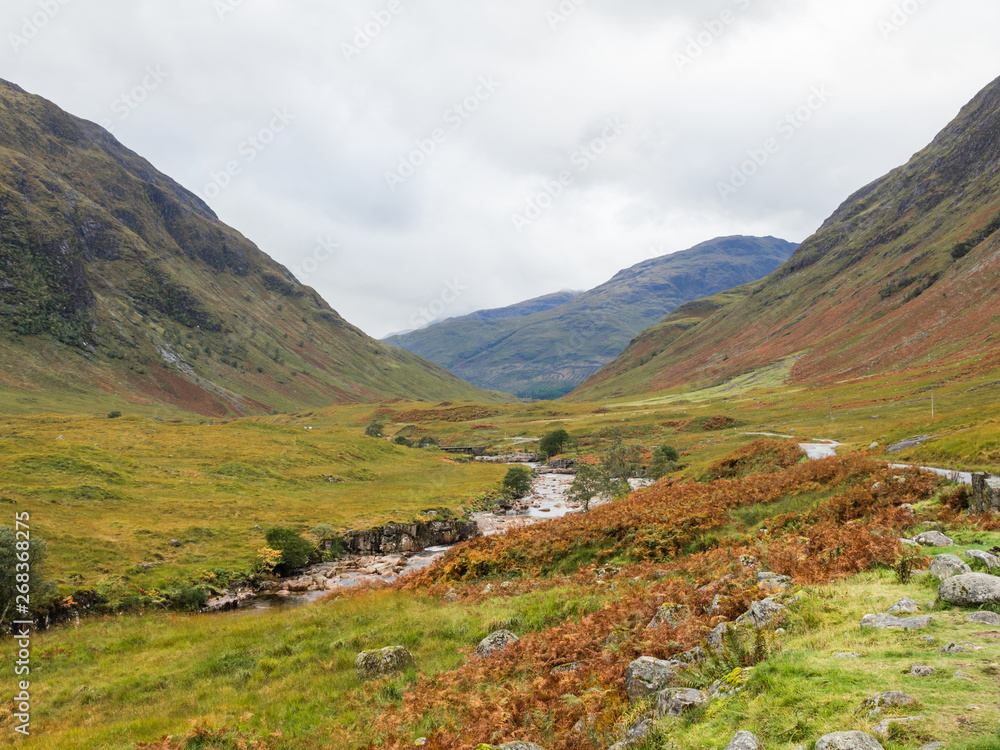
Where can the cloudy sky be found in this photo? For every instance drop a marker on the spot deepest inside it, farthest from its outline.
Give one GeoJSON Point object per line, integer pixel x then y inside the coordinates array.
{"type": "Point", "coordinates": [431, 155]}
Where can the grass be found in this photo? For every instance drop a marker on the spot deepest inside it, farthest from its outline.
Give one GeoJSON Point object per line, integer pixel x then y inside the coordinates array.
{"type": "Point", "coordinates": [108, 494]}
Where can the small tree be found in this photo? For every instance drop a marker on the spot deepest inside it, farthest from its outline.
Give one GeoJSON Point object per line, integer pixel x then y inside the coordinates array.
{"type": "Point", "coordinates": [664, 461]}
{"type": "Point", "coordinates": [375, 428]}
{"type": "Point", "coordinates": [329, 541]}
{"type": "Point", "coordinates": [590, 482]}
{"type": "Point", "coordinates": [517, 482]}
{"type": "Point", "coordinates": [554, 442]}
{"type": "Point", "coordinates": [15, 552]}
{"type": "Point", "coordinates": [621, 463]}
{"type": "Point", "coordinates": [295, 550]}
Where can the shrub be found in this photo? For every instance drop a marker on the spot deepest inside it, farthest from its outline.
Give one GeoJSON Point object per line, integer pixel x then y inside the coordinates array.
{"type": "Point", "coordinates": [40, 590]}
{"type": "Point", "coordinates": [114, 414]}
{"type": "Point", "coordinates": [375, 428]}
{"type": "Point", "coordinates": [517, 482]}
{"type": "Point", "coordinates": [295, 550]}
{"type": "Point", "coordinates": [664, 461]}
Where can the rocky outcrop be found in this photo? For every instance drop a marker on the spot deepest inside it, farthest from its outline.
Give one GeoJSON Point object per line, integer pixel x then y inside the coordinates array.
{"type": "Point", "coordinates": [985, 493]}
{"type": "Point", "coordinates": [510, 458]}
{"type": "Point", "coordinates": [647, 676]}
{"type": "Point", "coordinates": [745, 741]}
{"type": "Point", "coordinates": [888, 622]}
{"type": "Point", "coordinates": [494, 642]}
{"type": "Point", "coordinates": [848, 741]}
{"type": "Point", "coordinates": [970, 590]}
{"type": "Point", "coordinates": [933, 539]}
{"type": "Point", "coordinates": [676, 701]}
{"type": "Point", "coordinates": [946, 566]}
{"type": "Point", "coordinates": [395, 538]}
{"type": "Point", "coordinates": [371, 665]}
{"type": "Point", "coordinates": [877, 703]}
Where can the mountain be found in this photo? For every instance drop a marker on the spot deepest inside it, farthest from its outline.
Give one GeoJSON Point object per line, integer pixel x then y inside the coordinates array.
{"type": "Point", "coordinates": [546, 352]}
{"type": "Point", "coordinates": [116, 280]}
{"type": "Point", "coordinates": [904, 273]}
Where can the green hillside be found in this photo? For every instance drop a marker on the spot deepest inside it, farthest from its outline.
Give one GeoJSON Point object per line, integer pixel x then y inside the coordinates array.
{"type": "Point", "coordinates": [903, 274]}
{"type": "Point", "coordinates": [117, 284]}
{"type": "Point", "coordinates": [549, 352]}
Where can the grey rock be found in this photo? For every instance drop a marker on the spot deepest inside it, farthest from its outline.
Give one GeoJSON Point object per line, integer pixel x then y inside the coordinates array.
{"type": "Point", "coordinates": [954, 648]}
{"type": "Point", "coordinates": [647, 676]}
{"type": "Point", "coordinates": [773, 583]}
{"type": "Point", "coordinates": [391, 660]}
{"type": "Point", "coordinates": [906, 605]}
{"type": "Point", "coordinates": [848, 741]}
{"type": "Point", "coordinates": [991, 561]}
{"type": "Point", "coordinates": [494, 642]}
{"type": "Point", "coordinates": [876, 703]}
{"type": "Point", "coordinates": [933, 539]}
{"type": "Point", "coordinates": [745, 741]}
{"type": "Point", "coordinates": [749, 561]}
{"type": "Point", "coordinates": [985, 618]}
{"type": "Point", "coordinates": [909, 543]}
{"type": "Point", "coordinates": [888, 622]}
{"type": "Point", "coordinates": [714, 638]}
{"type": "Point", "coordinates": [761, 613]}
{"type": "Point", "coordinates": [670, 614]}
{"type": "Point", "coordinates": [946, 566]}
{"type": "Point", "coordinates": [847, 655]}
{"type": "Point", "coordinates": [882, 728]}
{"type": "Point", "coordinates": [932, 746]}
{"type": "Point", "coordinates": [519, 746]}
{"type": "Point", "coordinates": [567, 668]}
{"type": "Point", "coordinates": [960, 675]}
{"type": "Point", "coordinates": [693, 656]}
{"type": "Point", "coordinates": [970, 590]}
{"type": "Point", "coordinates": [675, 701]}
{"type": "Point", "coordinates": [175, 542]}
{"type": "Point", "coordinates": [921, 670]}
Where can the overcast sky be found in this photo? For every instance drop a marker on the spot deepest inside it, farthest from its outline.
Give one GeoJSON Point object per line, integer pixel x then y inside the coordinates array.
{"type": "Point", "coordinates": [463, 155]}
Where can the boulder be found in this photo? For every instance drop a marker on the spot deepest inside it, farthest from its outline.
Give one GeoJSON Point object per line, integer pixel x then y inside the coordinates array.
{"type": "Point", "coordinates": [991, 561]}
{"type": "Point", "coordinates": [494, 642]}
{"type": "Point", "coordinates": [693, 656]}
{"type": "Point", "coordinates": [888, 622]}
{"type": "Point", "coordinates": [921, 670]}
{"type": "Point", "coordinates": [970, 590]}
{"type": "Point", "coordinates": [745, 741]}
{"type": "Point", "coordinates": [675, 701]}
{"type": "Point", "coordinates": [670, 614]}
{"type": "Point", "coordinates": [882, 728]}
{"type": "Point", "coordinates": [731, 684]}
{"type": "Point", "coordinates": [904, 606]}
{"type": "Point", "coordinates": [761, 613]}
{"type": "Point", "coordinates": [985, 618]}
{"type": "Point", "coordinates": [876, 703]}
{"type": "Point", "coordinates": [772, 583]}
{"type": "Point", "coordinates": [954, 648]}
{"type": "Point", "coordinates": [516, 746]}
{"type": "Point", "coordinates": [847, 655]}
{"type": "Point", "coordinates": [714, 638]}
{"type": "Point", "coordinates": [371, 665]}
{"type": "Point", "coordinates": [848, 741]}
{"type": "Point", "coordinates": [932, 539]}
{"type": "Point", "coordinates": [647, 676]}
{"type": "Point", "coordinates": [946, 566]}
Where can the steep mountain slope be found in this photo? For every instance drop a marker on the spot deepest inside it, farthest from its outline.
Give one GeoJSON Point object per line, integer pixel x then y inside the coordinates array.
{"type": "Point", "coordinates": [549, 352]}
{"type": "Point", "coordinates": [905, 272]}
{"type": "Point", "coordinates": [115, 279]}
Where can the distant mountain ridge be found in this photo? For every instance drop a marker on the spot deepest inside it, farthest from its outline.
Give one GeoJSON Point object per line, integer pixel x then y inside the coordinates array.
{"type": "Point", "coordinates": [114, 279]}
{"type": "Point", "coordinates": [903, 273]}
{"type": "Point", "coordinates": [552, 349]}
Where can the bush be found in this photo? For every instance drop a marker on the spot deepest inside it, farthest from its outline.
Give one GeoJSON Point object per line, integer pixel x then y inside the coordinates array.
{"type": "Point", "coordinates": [554, 442]}
{"type": "Point", "coordinates": [400, 440]}
{"type": "Point", "coordinates": [295, 550]}
{"type": "Point", "coordinates": [517, 483]}
{"type": "Point", "coordinates": [114, 414]}
{"type": "Point", "coordinates": [664, 461]}
{"type": "Point", "coordinates": [375, 428]}
{"type": "Point", "coordinates": [40, 590]}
